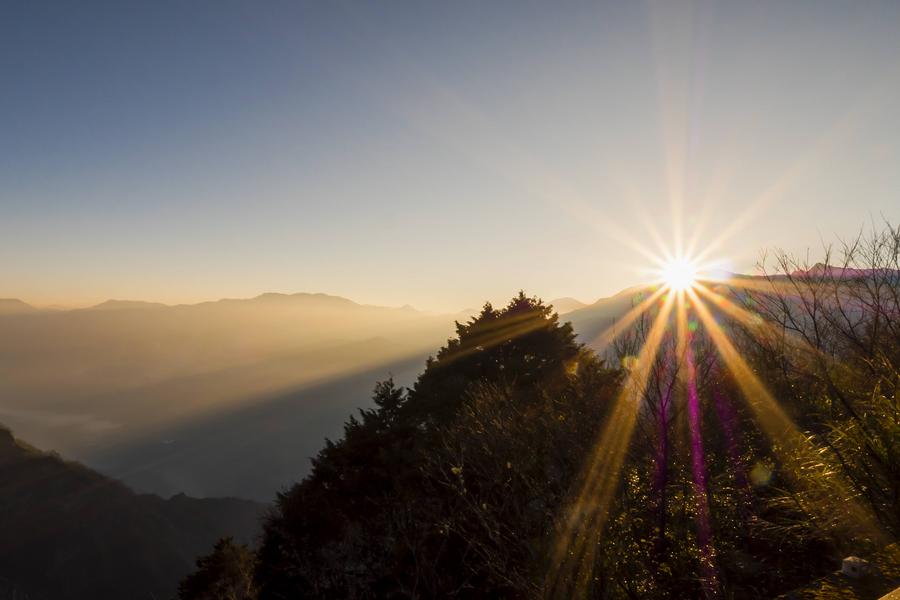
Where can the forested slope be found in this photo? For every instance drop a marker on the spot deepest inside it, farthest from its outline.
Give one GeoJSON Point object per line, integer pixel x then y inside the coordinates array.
{"type": "Point", "coordinates": [71, 533]}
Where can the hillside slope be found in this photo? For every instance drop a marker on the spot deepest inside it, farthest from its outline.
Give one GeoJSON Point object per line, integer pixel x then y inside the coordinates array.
{"type": "Point", "coordinates": [132, 380]}
{"type": "Point", "coordinates": [70, 533]}
{"type": "Point", "coordinates": [14, 306]}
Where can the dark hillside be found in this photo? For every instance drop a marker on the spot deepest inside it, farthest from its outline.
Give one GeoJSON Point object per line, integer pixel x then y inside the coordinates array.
{"type": "Point", "coordinates": [71, 533]}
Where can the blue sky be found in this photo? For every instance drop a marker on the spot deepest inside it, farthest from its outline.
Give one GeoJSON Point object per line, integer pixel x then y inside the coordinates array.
{"type": "Point", "coordinates": [431, 154]}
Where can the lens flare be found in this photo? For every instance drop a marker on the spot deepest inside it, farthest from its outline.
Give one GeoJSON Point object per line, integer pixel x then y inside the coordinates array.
{"type": "Point", "coordinates": [694, 313]}
{"type": "Point", "coordinates": [679, 274]}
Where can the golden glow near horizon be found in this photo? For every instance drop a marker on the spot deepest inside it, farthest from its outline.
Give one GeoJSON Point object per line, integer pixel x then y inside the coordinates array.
{"type": "Point", "coordinates": [324, 204]}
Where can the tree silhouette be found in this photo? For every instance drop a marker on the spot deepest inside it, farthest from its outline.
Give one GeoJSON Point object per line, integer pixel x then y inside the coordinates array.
{"type": "Point", "coordinates": [224, 574]}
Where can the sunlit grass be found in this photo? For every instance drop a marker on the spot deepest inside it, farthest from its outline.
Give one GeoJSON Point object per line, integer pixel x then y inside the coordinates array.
{"type": "Point", "coordinates": [797, 451]}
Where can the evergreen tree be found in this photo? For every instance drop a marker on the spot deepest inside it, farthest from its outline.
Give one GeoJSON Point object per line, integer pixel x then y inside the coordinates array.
{"type": "Point", "coordinates": [366, 520]}
{"type": "Point", "coordinates": [224, 574]}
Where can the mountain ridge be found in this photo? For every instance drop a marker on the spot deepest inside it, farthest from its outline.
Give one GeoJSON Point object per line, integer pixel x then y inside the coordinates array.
{"type": "Point", "coordinates": [566, 304]}
{"type": "Point", "coordinates": [306, 298]}
{"type": "Point", "coordinates": [14, 306]}
{"type": "Point", "coordinates": [70, 532]}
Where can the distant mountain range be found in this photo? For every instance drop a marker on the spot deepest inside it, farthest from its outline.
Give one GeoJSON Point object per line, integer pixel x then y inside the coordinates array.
{"type": "Point", "coordinates": [221, 398]}
{"type": "Point", "coordinates": [566, 305]}
{"type": "Point", "coordinates": [128, 387]}
{"type": "Point", "coordinates": [591, 321]}
{"type": "Point", "coordinates": [821, 270]}
{"type": "Point", "coordinates": [230, 397]}
{"type": "Point", "coordinates": [126, 305]}
{"type": "Point", "coordinates": [71, 533]}
{"type": "Point", "coordinates": [14, 306]}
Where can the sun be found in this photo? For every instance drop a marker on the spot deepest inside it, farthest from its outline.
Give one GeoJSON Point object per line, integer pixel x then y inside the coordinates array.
{"type": "Point", "coordinates": [679, 274]}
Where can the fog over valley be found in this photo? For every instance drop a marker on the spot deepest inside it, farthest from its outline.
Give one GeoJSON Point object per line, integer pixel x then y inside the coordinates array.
{"type": "Point", "coordinates": [124, 386]}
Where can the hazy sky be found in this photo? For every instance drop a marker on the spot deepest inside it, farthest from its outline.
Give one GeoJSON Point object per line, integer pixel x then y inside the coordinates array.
{"type": "Point", "coordinates": [437, 154]}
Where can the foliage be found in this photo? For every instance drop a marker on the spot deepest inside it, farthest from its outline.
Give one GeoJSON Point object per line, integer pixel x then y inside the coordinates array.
{"type": "Point", "coordinates": [371, 517]}
{"type": "Point", "coordinates": [831, 352]}
{"type": "Point", "coordinates": [224, 574]}
{"type": "Point", "coordinates": [463, 485]}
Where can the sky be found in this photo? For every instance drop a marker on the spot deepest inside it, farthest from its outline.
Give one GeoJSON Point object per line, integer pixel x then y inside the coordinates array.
{"type": "Point", "coordinates": [432, 154]}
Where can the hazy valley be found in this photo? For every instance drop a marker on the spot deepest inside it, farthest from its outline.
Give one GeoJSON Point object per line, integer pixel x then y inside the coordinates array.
{"type": "Point", "coordinates": [220, 398]}
{"type": "Point", "coordinates": [129, 386]}
{"type": "Point", "coordinates": [227, 398]}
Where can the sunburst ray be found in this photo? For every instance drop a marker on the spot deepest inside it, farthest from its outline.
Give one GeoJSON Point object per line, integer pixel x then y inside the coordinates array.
{"type": "Point", "coordinates": [574, 554]}
{"type": "Point", "coordinates": [828, 502]}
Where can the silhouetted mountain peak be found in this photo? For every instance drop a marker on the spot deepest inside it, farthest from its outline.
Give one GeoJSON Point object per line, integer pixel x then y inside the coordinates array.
{"type": "Point", "coordinates": [566, 305]}
{"type": "Point", "coordinates": [6, 438]}
{"type": "Point", "coordinates": [14, 306]}
{"type": "Point", "coordinates": [840, 272]}
{"type": "Point", "coordinates": [126, 305]}
{"type": "Point", "coordinates": [305, 298]}
{"type": "Point", "coordinates": [13, 449]}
